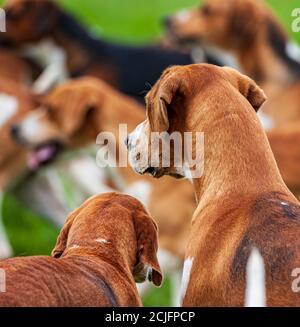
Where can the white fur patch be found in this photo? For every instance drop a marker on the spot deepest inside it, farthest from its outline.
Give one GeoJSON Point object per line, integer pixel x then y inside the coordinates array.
{"type": "Point", "coordinates": [102, 240]}
{"type": "Point", "coordinates": [266, 121]}
{"type": "Point", "coordinates": [293, 51]}
{"type": "Point", "coordinates": [255, 278]}
{"type": "Point", "coordinates": [31, 127]}
{"type": "Point", "coordinates": [183, 16]}
{"type": "Point", "coordinates": [187, 268]}
{"type": "Point", "coordinates": [8, 107]}
{"type": "Point", "coordinates": [224, 57]}
{"type": "Point", "coordinates": [75, 246]}
{"type": "Point", "coordinates": [138, 148]}
{"type": "Point", "coordinates": [52, 58]}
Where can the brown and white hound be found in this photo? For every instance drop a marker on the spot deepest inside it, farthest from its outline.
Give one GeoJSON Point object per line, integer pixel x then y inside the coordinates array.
{"type": "Point", "coordinates": [243, 202]}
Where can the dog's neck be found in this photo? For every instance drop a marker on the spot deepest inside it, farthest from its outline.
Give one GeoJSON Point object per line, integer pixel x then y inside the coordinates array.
{"type": "Point", "coordinates": [232, 130]}
{"type": "Point", "coordinates": [108, 246]}
{"type": "Point", "coordinates": [267, 51]}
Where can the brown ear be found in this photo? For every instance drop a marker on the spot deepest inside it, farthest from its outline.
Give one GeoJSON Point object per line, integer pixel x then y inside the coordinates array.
{"type": "Point", "coordinates": [247, 87]}
{"type": "Point", "coordinates": [147, 266]}
{"type": "Point", "coordinates": [245, 21]}
{"type": "Point", "coordinates": [157, 108]}
{"type": "Point", "coordinates": [79, 112]}
{"type": "Point", "coordinates": [62, 239]}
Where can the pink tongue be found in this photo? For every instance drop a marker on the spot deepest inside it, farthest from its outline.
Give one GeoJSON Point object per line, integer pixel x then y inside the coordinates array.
{"type": "Point", "coordinates": [36, 158]}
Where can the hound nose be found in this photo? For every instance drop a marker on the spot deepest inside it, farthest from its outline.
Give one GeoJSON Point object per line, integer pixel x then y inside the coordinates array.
{"type": "Point", "coordinates": [150, 170]}
{"type": "Point", "coordinates": [167, 21]}
{"type": "Point", "coordinates": [14, 131]}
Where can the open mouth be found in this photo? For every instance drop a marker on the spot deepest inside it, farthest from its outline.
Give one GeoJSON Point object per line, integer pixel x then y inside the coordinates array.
{"type": "Point", "coordinates": [43, 154]}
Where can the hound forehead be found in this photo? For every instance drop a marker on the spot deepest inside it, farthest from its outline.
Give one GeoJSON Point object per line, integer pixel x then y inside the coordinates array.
{"type": "Point", "coordinates": [9, 106]}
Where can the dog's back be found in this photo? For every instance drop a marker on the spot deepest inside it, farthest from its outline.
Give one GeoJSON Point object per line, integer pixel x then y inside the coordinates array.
{"type": "Point", "coordinates": [45, 281]}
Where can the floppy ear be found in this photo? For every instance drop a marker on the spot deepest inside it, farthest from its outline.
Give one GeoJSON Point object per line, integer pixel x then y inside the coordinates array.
{"type": "Point", "coordinates": [147, 266]}
{"type": "Point", "coordinates": [62, 239]}
{"type": "Point", "coordinates": [79, 111]}
{"type": "Point", "coordinates": [247, 87]}
{"type": "Point", "coordinates": [244, 23]}
{"type": "Point", "coordinates": [157, 111]}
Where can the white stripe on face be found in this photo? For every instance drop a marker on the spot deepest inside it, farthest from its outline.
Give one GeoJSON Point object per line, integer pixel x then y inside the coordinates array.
{"type": "Point", "coordinates": [138, 148]}
{"type": "Point", "coordinates": [183, 16]}
{"type": "Point", "coordinates": [31, 127]}
{"type": "Point", "coordinates": [9, 106]}
{"type": "Point", "coordinates": [187, 268]}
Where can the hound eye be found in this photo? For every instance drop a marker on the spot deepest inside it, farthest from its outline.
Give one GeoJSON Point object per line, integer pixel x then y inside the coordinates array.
{"type": "Point", "coordinates": [206, 10]}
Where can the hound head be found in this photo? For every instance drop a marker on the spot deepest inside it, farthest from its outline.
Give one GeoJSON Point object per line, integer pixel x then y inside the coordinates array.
{"type": "Point", "coordinates": [179, 103]}
{"type": "Point", "coordinates": [113, 224]}
{"type": "Point", "coordinates": [230, 24]}
{"type": "Point", "coordinates": [64, 118]}
{"type": "Point", "coordinates": [29, 20]}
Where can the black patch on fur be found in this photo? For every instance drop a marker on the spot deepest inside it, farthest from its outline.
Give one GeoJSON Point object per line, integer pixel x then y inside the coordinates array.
{"type": "Point", "coordinates": [136, 67]}
{"type": "Point", "coordinates": [98, 280]}
{"type": "Point", "coordinates": [278, 42]}
{"type": "Point", "coordinates": [271, 215]}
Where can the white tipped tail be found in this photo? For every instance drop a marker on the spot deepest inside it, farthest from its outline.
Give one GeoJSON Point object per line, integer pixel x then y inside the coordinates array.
{"type": "Point", "coordinates": [255, 279]}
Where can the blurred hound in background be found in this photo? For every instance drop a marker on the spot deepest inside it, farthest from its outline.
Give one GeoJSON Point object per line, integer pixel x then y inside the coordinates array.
{"type": "Point", "coordinates": [70, 117]}
{"type": "Point", "coordinates": [130, 69]}
{"type": "Point", "coordinates": [250, 32]}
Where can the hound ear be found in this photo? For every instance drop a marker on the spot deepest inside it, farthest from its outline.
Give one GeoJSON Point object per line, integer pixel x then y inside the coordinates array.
{"type": "Point", "coordinates": [62, 239]}
{"type": "Point", "coordinates": [157, 111]}
{"type": "Point", "coordinates": [245, 22]}
{"type": "Point", "coordinates": [247, 87]}
{"type": "Point", "coordinates": [147, 266]}
{"type": "Point", "coordinates": [80, 110]}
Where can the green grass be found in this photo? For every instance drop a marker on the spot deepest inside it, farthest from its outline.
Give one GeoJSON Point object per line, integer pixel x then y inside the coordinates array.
{"type": "Point", "coordinates": [28, 233]}
{"type": "Point", "coordinates": [131, 21]}
{"type": "Point", "coordinates": [137, 21]}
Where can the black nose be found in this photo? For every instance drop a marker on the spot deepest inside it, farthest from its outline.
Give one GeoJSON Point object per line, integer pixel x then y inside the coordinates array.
{"type": "Point", "coordinates": [126, 141]}
{"type": "Point", "coordinates": [14, 131]}
{"type": "Point", "coordinates": [151, 170]}
{"type": "Point", "coordinates": [167, 21]}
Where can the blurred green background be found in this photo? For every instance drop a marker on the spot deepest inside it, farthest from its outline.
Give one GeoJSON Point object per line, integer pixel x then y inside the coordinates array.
{"type": "Point", "coordinates": [127, 21]}
{"type": "Point", "coordinates": [139, 21]}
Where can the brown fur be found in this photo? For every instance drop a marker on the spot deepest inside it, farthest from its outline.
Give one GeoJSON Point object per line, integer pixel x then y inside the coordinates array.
{"type": "Point", "coordinates": [23, 14]}
{"type": "Point", "coordinates": [84, 271]}
{"type": "Point", "coordinates": [14, 76]}
{"type": "Point", "coordinates": [242, 199]}
{"type": "Point", "coordinates": [248, 29]}
{"type": "Point", "coordinates": [77, 111]}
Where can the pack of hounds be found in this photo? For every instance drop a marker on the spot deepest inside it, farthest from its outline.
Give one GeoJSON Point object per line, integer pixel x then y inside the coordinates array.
{"type": "Point", "coordinates": [228, 238]}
